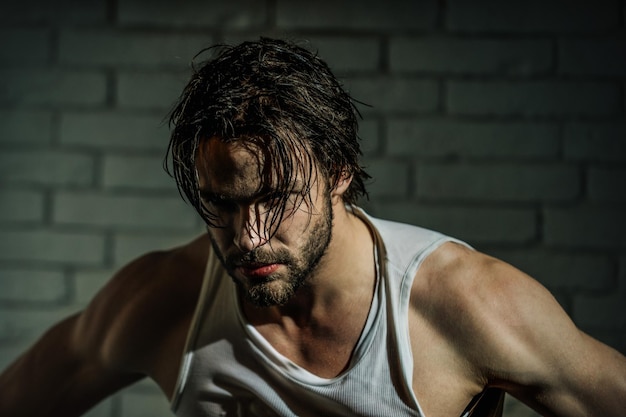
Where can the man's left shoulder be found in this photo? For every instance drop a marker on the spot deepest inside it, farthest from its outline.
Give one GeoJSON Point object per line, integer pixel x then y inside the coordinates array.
{"type": "Point", "coordinates": [457, 282]}
{"type": "Point", "coordinates": [450, 268]}
{"type": "Point", "coordinates": [482, 303]}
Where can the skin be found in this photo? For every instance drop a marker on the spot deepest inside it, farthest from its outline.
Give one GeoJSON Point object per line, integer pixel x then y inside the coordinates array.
{"type": "Point", "coordinates": [267, 269]}
{"type": "Point", "coordinates": [474, 321]}
{"type": "Point", "coordinates": [304, 328]}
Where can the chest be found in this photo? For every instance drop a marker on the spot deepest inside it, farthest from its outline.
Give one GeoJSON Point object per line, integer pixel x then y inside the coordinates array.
{"type": "Point", "coordinates": [284, 364]}
{"type": "Point", "coordinates": [323, 349]}
{"type": "Point", "coordinates": [240, 368]}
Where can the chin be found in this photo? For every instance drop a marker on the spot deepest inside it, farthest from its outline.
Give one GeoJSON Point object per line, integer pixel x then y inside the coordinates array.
{"type": "Point", "coordinates": [270, 294]}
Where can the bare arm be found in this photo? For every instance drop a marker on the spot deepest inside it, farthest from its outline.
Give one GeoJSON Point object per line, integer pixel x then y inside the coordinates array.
{"type": "Point", "coordinates": [517, 337]}
{"type": "Point", "coordinates": [135, 326]}
{"type": "Point", "coordinates": [58, 376]}
{"type": "Point", "coordinates": [545, 360]}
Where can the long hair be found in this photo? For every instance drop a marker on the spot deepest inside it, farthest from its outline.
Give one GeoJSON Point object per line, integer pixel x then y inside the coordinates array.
{"type": "Point", "coordinates": [275, 96]}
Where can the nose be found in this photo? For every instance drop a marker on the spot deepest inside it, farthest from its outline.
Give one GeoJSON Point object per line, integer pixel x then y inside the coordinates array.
{"type": "Point", "coordinates": [250, 230]}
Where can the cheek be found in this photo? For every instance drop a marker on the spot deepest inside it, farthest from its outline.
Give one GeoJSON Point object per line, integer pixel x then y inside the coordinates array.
{"type": "Point", "coordinates": [294, 228]}
{"type": "Point", "coordinates": [221, 237]}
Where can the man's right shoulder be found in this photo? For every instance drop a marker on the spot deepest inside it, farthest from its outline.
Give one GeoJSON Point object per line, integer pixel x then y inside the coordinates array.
{"type": "Point", "coordinates": [154, 275]}
{"type": "Point", "coordinates": [142, 304]}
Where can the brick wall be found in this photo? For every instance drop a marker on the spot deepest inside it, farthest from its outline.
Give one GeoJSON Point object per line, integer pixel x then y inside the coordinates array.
{"type": "Point", "coordinates": [501, 123]}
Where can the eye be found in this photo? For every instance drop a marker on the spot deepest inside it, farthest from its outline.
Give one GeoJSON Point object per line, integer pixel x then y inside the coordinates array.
{"type": "Point", "coordinates": [272, 199]}
{"type": "Point", "coordinates": [286, 202]}
{"type": "Point", "coordinates": [269, 202]}
{"type": "Point", "coordinates": [219, 203]}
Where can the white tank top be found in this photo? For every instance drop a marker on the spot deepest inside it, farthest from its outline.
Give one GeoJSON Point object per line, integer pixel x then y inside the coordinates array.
{"type": "Point", "coordinates": [229, 369]}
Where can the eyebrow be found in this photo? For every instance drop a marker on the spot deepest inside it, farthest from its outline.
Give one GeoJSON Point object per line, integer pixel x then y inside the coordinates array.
{"type": "Point", "coordinates": [208, 195]}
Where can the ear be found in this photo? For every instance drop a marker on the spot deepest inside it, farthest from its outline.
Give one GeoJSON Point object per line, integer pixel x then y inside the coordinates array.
{"type": "Point", "coordinates": [340, 187]}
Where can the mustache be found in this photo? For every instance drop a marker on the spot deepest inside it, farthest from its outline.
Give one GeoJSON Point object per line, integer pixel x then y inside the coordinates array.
{"type": "Point", "coordinates": [258, 256]}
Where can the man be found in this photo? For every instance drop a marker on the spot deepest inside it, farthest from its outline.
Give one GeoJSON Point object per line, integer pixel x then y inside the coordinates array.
{"type": "Point", "coordinates": [296, 302]}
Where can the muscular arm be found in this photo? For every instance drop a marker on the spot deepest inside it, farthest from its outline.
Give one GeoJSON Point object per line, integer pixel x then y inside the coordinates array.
{"type": "Point", "coordinates": [59, 376]}
{"type": "Point", "coordinates": [515, 335]}
{"type": "Point", "coordinates": [138, 318]}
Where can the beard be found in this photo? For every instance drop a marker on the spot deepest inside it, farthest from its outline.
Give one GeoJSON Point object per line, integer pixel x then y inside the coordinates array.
{"type": "Point", "coordinates": [278, 288]}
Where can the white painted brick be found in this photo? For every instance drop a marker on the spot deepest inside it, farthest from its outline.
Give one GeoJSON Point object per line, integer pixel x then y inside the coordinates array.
{"type": "Point", "coordinates": [390, 178]}
{"type": "Point", "coordinates": [108, 130]}
{"type": "Point", "coordinates": [527, 16]}
{"type": "Point", "coordinates": [21, 206]}
{"type": "Point", "coordinates": [391, 15]}
{"type": "Point", "coordinates": [51, 246]}
{"type": "Point", "coordinates": [24, 46]}
{"type": "Point", "coordinates": [533, 98]}
{"type": "Point", "coordinates": [591, 56]}
{"type": "Point", "coordinates": [585, 227]}
{"type": "Point", "coordinates": [473, 224]}
{"type": "Point", "coordinates": [32, 285]}
{"type": "Point", "coordinates": [595, 141]}
{"type": "Point", "coordinates": [60, 12]}
{"type": "Point", "coordinates": [233, 14]}
{"type": "Point", "coordinates": [369, 132]}
{"type": "Point", "coordinates": [122, 211]}
{"type": "Point", "coordinates": [475, 139]}
{"type": "Point", "coordinates": [497, 182]}
{"type": "Point", "coordinates": [140, 90]}
{"type": "Point", "coordinates": [622, 273]}
{"type": "Point", "coordinates": [470, 56]}
{"type": "Point", "coordinates": [121, 171]}
{"type": "Point", "coordinates": [52, 88]}
{"type": "Point", "coordinates": [607, 184]}
{"type": "Point", "coordinates": [563, 269]}
{"type": "Point", "coordinates": [46, 167]}
{"type": "Point", "coordinates": [403, 95]}
{"type": "Point", "coordinates": [345, 54]}
{"type": "Point", "coordinates": [25, 127]}
{"type": "Point", "coordinates": [129, 49]}
{"type": "Point", "coordinates": [601, 310]}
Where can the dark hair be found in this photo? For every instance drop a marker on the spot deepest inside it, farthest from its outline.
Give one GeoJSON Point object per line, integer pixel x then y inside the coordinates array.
{"type": "Point", "coordinates": [277, 96]}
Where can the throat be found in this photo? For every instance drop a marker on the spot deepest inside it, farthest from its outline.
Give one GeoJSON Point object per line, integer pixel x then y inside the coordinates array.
{"type": "Point", "coordinates": [323, 343]}
{"type": "Point", "coordinates": [324, 350]}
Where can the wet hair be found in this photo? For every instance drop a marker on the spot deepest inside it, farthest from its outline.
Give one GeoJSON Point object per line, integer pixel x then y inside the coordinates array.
{"type": "Point", "coordinates": [278, 98]}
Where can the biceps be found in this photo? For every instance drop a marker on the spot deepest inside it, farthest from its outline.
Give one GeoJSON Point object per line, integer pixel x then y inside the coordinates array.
{"type": "Point", "coordinates": [595, 384]}
{"type": "Point", "coordinates": [555, 367]}
{"type": "Point", "coordinates": [56, 377]}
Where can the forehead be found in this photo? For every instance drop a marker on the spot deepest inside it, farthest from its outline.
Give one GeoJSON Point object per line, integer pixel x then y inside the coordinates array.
{"type": "Point", "coordinates": [228, 164]}
{"type": "Point", "coordinates": [240, 168]}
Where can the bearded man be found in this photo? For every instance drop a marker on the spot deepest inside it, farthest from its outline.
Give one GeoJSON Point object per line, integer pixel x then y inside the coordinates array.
{"type": "Point", "coordinates": [297, 302]}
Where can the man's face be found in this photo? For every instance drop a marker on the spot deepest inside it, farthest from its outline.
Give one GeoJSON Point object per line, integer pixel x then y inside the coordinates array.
{"type": "Point", "coordinates": [268, 266]}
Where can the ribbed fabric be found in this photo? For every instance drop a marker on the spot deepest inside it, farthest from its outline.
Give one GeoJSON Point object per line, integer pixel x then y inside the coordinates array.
{"type": "Point", "coordinates": [229, 369]}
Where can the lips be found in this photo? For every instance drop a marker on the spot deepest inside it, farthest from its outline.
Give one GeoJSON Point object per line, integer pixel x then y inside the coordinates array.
{"type": "Point", "coordinates": [258, 271]}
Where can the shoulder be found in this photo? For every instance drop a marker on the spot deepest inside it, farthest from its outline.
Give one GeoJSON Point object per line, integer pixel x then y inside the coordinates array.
{"type": "Point", "coordinates": [456, 273]}
{"type": "Point", "coordinates": [510, 332]}
{"type": "Point", "coordinates": [489, 311]}
{"type": "Point", "coordinates": [142, 303]}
